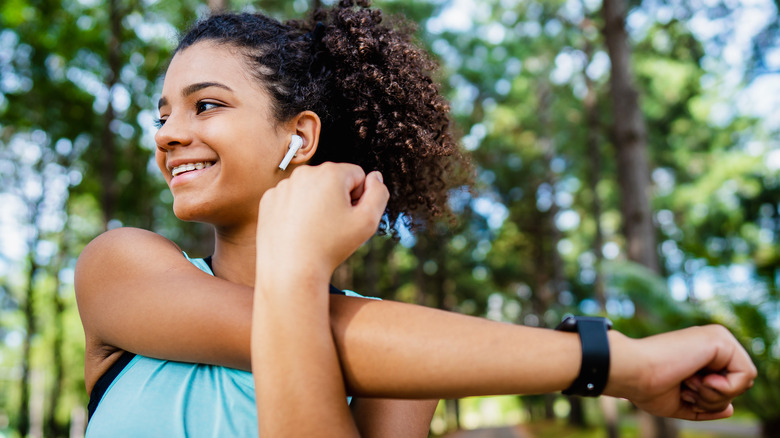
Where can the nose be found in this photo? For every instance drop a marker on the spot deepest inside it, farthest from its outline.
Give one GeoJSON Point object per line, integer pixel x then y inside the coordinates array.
{"type": "Point", "coordinates": [174, 132]}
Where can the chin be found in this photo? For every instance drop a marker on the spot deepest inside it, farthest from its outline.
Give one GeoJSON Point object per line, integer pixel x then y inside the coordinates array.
{"type": "Point", "coordinates": [189, 213]}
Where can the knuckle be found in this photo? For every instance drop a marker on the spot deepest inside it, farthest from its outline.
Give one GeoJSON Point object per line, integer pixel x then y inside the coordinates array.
{"type": "Point", "coordinates": [715, 329]}
{"type": "Point", "coordinates": [328, 168]}
{"type": "Point", "coordinates": [718, 335]}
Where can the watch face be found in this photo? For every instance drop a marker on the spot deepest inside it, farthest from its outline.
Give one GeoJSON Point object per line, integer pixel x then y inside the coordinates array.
{"type": "Point", "coordinates": [569, 324]}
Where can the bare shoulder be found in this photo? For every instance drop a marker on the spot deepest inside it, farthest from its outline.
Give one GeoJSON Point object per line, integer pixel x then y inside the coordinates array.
{"type": "Point", "coordinates": [107, 266]}
{"type": "Point", "coordinates": [121, 253]}
{"type": "Point", "coordinates": [121, 245]}
{"type": "Point", "coordinates": [118, 262]}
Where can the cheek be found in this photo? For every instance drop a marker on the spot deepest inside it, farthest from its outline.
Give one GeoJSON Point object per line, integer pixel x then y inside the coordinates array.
{"type": "Point", "coordinates": [159, 157]}
{"type": "Point", "coordinates": [260, 151]}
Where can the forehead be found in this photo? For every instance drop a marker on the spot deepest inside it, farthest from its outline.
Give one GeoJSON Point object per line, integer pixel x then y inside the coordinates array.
{"type": "Point", "coordinates": [210, 62]}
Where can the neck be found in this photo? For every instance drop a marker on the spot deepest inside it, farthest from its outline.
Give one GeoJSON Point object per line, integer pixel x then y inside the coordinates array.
{"type": "Point", "coordinates": [235, 253]}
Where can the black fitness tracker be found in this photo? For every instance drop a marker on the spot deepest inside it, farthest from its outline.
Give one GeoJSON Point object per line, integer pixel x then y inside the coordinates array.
{"type": "Point", "coordinates": [594, 370]}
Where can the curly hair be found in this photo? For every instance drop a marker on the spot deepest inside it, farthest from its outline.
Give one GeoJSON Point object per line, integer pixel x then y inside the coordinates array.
{"type": "Point", "coordinates": [371, 87]}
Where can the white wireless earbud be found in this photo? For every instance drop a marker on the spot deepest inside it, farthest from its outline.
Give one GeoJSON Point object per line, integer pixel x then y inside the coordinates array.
{"type": "Point", "coordinates": [295, 144]}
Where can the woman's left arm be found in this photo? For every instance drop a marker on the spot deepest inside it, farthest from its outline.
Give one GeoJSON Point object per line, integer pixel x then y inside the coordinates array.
{"type": "Point", "coordinates": [298, 382]}
{"type": "Point", "coordinates": [307, 226]}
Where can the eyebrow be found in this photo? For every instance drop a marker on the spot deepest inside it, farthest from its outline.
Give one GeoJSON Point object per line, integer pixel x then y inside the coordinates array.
{"type": "Point", "coordinates": [194, 88]}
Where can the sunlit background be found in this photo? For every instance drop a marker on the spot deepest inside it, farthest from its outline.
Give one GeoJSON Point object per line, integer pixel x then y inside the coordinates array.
{"type": "Point", "coordinates": [543, 232]}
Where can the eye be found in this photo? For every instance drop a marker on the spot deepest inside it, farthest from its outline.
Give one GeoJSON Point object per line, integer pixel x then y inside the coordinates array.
{"type": "Point", "coordinates": [205, 106]}
{"type": "Point", "coordinates": [158, 123]}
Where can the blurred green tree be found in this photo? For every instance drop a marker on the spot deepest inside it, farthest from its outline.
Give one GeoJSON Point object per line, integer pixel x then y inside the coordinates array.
{"type": "Point", "coordinates": [540, 234]}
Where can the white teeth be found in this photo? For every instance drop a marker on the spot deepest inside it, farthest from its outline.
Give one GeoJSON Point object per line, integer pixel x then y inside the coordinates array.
{"type": "Point", "coordinates": [190, 166]}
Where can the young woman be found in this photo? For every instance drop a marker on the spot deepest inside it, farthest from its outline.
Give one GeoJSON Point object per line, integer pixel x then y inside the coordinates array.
{"type": "Point", "coordinates": [247, 107]}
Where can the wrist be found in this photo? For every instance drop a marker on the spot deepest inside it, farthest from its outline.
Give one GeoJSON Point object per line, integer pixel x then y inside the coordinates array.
{"type": "Point", "coordinates": [626, 366]}
{"type": "Point", "coordinates": [291, 280]}
{"type": "Point", "coordinates": [282, 269]}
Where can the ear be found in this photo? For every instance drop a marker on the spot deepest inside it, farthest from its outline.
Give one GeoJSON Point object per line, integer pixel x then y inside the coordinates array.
{"type": "Point", "coordinates": [307, 125]}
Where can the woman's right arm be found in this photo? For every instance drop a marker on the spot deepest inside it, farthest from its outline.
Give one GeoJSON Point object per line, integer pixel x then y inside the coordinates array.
{"type": "Point", "coordinates": [136, 292]}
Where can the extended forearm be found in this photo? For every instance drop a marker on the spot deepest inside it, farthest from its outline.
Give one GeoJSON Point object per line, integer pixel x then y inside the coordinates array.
{"type": "Point", "coordinates": [393, 349]}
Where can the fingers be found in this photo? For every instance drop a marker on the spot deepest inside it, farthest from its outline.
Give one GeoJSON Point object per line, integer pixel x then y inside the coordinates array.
{"type": "Point", "coordinates": [706, 416]}
{"type": "Point", "coordinates": [374, 198]}
{"type": "Point", "coordinates": [367, 190]}
{"type": "Point", "coordinates": [702, 397]}
{"type": "Point", "coordinates": [730, 360]}
{"type": "Point", "coordinates": [739, 377]}
{"type": "Point", "coordinates": [353, 178]}
{"type": "Point", "coordinates": [729, 373]}
{"type": "Point", "coordinates": [693, 414]}
{"type": "Point", "coordinates": [692, 409]}
{"type": "Point", "coordinates": [712, 392]}
{"type": "Point", "coordinates": [731, 384]}
{"type": "Point", "coordinates": [700, 380]}
{"type": "Point", "coordinates": [346, 204]}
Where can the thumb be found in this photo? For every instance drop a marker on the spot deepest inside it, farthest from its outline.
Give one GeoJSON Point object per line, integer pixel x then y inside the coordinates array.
{"type": "Point", "coordinates": [375, 195]}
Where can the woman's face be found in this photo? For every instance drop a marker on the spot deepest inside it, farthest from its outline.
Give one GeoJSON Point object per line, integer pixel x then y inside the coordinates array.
{"type": "Point", "coordinates": [218, 147]}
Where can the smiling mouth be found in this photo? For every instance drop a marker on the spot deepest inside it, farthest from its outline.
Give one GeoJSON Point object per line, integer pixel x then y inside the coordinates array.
{"type": "Point", "coordinates": [178, 170]}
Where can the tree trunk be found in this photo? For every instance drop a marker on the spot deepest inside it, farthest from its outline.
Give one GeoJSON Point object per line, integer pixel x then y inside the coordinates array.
{"type": "Point", "coordinates": [108, 147]}
{"type": "Point", "coordinates": [452, 409]}
{"type": "Point", "coordinates": [393, 275]}
{"type": "Point", "coordinates": [430, 287]}
{"type": "Point", "coordinates": [593, 126]}
{"type": "Point", "coordinates": [28, 309]}
{"type": "Point", "coordinates": [371, 271]}
{"type": "Point", "coordinates": [52, 428]}
{"type": "Point", "coordinates": [549, 406]}
{"type": "Point", "coordinates": [630, 141]}
{"type": "Point", "coordinates": [609, 406]}
{"type": "Point", "coordinates": [576, 412]}
{"type": "Point", "coordinates": [633, 168]}
{"type": "Point", "coordinates": [549, 277]}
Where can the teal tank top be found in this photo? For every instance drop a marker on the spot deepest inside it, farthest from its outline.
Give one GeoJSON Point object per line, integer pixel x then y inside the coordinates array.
{"type": "Point", "coordinates": [162, 398]}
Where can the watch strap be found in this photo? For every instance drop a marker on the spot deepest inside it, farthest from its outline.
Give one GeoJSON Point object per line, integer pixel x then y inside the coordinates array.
{"type": "Point", "coordinates": [594, 370]}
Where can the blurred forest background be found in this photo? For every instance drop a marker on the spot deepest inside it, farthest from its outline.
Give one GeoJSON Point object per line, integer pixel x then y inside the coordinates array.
{"type": "Point", "coordinates": [627, 156]}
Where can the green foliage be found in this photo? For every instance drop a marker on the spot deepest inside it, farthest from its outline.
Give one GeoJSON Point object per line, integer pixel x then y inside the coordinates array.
{"type": "Point", "coordinates": [761, 338]}
{"type": "Point", "coordinates": [649, 293]}
{"type": "Point", "coordinates": [523, 247]}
